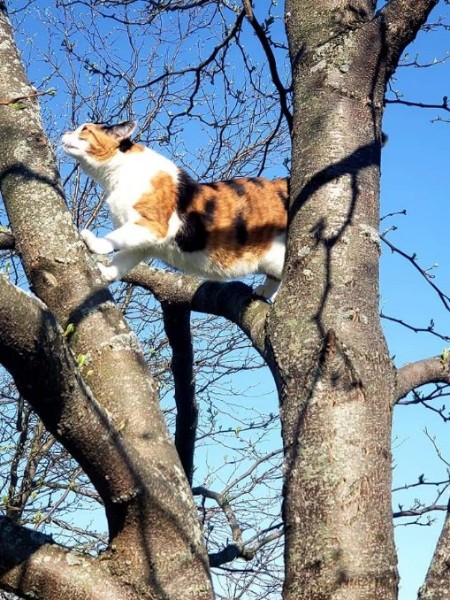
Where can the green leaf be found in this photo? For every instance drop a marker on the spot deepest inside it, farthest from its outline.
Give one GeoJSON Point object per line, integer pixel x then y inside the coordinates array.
{"type": "Point", "coordinates": [19, 105]}
{"type": "Point", "coordinates": [69, 330]}
{"type": "Point", "coordinates": [81, 360]}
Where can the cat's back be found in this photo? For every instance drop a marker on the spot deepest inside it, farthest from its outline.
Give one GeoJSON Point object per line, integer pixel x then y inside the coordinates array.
{"type": "Point", "coordinates": [232, 224]}
{"type": "Point", "coordinates": [242, 211]}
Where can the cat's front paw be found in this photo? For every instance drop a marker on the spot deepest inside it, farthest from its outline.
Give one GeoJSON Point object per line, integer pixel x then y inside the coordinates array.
{"type": "Point", "coordinates": [95, 244]}
{"type": "Point", "coordinates": [88, 238]}
{"type": "Point", "coordinates": [109, 273]}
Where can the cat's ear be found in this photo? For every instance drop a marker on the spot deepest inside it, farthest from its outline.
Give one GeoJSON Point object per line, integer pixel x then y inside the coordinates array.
{"type": "Point", "coordinates": [122, 131]}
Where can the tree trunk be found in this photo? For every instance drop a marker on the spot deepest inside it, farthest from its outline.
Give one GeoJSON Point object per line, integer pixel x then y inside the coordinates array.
{"type": "Point", "coordinates": [334, 374]}
{"type": "Point", "coordinates": [156, 548]}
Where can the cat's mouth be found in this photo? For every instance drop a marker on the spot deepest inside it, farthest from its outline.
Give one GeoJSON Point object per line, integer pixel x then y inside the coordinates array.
{"type": "Point", "coordinates": [69, 148]}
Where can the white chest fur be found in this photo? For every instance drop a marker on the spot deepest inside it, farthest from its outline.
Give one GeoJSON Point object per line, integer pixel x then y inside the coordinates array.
{"type": "Point", "coordinates": [128, 177]}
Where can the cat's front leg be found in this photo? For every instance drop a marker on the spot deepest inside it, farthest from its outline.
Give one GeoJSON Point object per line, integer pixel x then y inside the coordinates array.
{"type": "Point", "coordinates": [95, 244]}
{"type": "Point", "coordinates": [122, 262]}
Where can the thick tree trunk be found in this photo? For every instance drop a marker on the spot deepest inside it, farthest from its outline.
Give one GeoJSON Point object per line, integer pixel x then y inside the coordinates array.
{"type": "Point", "coordinates": [156, 543]}
{"type": "Point", "coordinates": [334, 374]}
{"type": "Point", "coordinates": [335, 377]}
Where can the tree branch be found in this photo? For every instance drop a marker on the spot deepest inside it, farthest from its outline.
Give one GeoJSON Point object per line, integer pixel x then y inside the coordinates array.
{"type": "Point", "coordinates": [35, 352]}
{"type": "Point", "coordinates": [261, 35]}
{"type": "Point", "coordinates": [239, 548]}
{"type": "Point", "coordinates": [32, 566]}
{"type": "Point", "coordinates": [7, 241]}
{"type": "Point", "coordinates": [412, 258]}
{"type": "Point", "coordinates": [178, 330]}
{"type": "Point", "coordinates": [400, 21]}
{"type": "Point", "coordinates": [233, 301]}
{"type": "Point", "coordinates": [413, 375]}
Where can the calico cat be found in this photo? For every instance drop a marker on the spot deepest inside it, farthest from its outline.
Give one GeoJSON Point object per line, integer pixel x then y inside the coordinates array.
{"type": "Point", "coordinates": [217, 230]}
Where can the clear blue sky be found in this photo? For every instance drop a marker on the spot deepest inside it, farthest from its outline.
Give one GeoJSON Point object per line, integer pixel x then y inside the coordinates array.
{"type": "Point", "coordinates": [415, 177]}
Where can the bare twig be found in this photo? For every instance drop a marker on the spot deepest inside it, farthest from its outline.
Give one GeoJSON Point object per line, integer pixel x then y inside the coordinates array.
{"type": "Point", "coordinates": [239, 548]}
{"type": "Point", "coordinates": [445, 299]}
{"type": "Point", "coordinates": [262, 37]}
{"type": "Point", "coordinates": [31, 96]}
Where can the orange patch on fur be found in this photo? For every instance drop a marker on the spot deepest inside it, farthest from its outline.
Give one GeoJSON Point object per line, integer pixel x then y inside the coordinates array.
{"type": "Point", "coordinates": [241, 217]}
{"type": "Point", "coordinates": [101, 145]}
{"type": "Point", "coordinates": [135, 148]}
{"type": "Point", "coordinates": [157, 205]}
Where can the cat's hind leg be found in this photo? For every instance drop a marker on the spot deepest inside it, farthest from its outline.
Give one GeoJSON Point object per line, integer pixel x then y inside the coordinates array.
{"type": "Point", "coordinates": [269, 288]}
{"type": "Point", "coordinates": [272, 266]}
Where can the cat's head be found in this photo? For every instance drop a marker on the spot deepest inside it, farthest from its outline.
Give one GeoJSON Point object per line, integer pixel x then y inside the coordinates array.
{"type": "Point", "coordinates": [94, 145]}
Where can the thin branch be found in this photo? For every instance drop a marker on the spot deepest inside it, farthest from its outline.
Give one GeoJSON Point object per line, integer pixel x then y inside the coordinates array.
{"type": "Point", "coordinates": [418, 512]}
{"type": "Point", "coordinates": [233, 301]}
{"type": "Point", "coordinates": [420, 483]}
{"type": "Point", "coordinates": [429, 329]}
{"type": "Point", "coordinates": [427, 399]}
{"type": "Point", "coordinates": [239, 548]}
{"type": "Point", "coordinates": [233, 551]}
{"type": "Point", "coordinates": [438, 450]}
{"type": "Point", "coordinates": [412, 258]}
{"type": "Point", "coordinates": [262, 37]}
{"type": "Point", "coordinates": [19, 99]}
{"type": "Point", "coordinates": [197, 70]}
{"type": "Point", "coordinates": [443, 106]}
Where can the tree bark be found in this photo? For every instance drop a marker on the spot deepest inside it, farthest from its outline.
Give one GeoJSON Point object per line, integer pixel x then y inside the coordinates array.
{"type": "Point", "coordinates": [333, 371]}
{"type": "Point", "coordinates": [151, 510]}
{"type": "Point", "coordinates": [34, 567]}
{"type": "Point", "coordinates": [429, 370]}
{"type": "Point", "coordinates": [437, 581]}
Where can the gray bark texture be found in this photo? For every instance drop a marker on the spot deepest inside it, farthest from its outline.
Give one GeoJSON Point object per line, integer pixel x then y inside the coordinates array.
{"type": "Point", "coordinates": [437, 581]}
{"type": "Point", "coordinates": [334, 374]}
{"type": "Point", "coordinates": [120, 438]}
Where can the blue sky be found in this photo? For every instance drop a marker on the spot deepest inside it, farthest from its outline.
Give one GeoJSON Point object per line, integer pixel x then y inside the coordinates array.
{"type": "Point", "coordinates": [415, 177]}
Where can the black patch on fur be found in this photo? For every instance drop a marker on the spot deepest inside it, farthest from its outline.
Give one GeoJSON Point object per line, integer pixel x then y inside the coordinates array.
{"type": "Point", "coordinates": [257, 181]}
{"type": "Point", "coordinates": [125, 145]}
{"type": "Point", "coordinates": [240, 227]}
{"type": "Point", "coordinates": [187, 189]}
{"type": "Point", "coordinates": [236, 186]}
{"type": "Point", "coordinates": [192, 235]}
{"type": "Point", "coordinates": [210, 211]}
{"type": "Point", "coordinates": [284, 198]}
{"type": "Point", "coordinates": [214, 186]}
